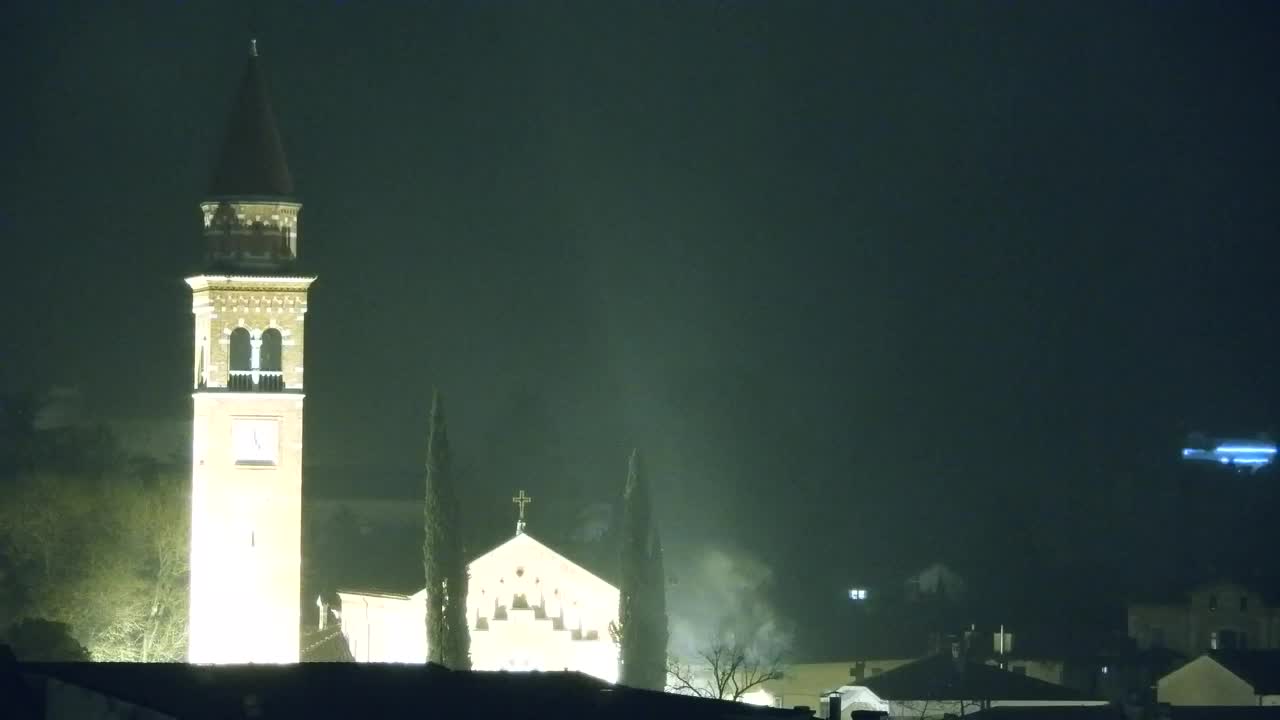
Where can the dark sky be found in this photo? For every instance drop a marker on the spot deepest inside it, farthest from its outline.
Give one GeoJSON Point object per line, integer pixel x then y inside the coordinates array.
{"type": "Point", "coordinates": [870, 283]}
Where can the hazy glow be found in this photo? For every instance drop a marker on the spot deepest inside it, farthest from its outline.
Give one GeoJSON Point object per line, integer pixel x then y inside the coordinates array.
{"type": "Point", "coordinates": [759, 696]}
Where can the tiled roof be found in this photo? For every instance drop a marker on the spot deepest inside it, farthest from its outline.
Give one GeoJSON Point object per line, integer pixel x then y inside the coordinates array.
{"type": "Point", "coordinates": [1051, 712]}
{"type": "Point", "coordinates": [1221, 712]}
{"type": "Point", "coordinates": [940, 677]}
{"type": "Point", "coordinates": [328, 645]}
{"type": "Point", "coordinates": [1115, 712]}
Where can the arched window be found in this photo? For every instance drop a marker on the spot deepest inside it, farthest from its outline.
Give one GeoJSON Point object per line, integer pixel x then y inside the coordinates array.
{"type": "Point", "coordinates": [240, 352]}
{"type": "Point", "coordinates": [269, 358]}
{"type": "Point", "coordinates": [271, 344]}
{"type": "Point", "coordinates": [241, 355]}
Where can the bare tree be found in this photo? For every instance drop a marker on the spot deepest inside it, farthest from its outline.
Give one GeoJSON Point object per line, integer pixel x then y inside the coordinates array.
{"type": "Point", "coordinates": [107, 558]}
{"type": "Point", "coordinates": [724, 670]}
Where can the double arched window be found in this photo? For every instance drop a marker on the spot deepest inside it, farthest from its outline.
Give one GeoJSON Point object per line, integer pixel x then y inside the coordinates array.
{"type": "Point", "coordinates": [256, 368]}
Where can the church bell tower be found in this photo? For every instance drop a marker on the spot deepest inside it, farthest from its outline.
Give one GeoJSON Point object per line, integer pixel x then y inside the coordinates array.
{"type": "Point", "coordinates": [246, 479]}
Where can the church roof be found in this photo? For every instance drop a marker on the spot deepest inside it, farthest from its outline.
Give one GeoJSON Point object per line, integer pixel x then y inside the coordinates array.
{"type": "Point", "coordinates": [327, 645]}
{"type": "Point", "coordinates": [252, 162]}
{"type": "Point", "coordinates": [526, 538]}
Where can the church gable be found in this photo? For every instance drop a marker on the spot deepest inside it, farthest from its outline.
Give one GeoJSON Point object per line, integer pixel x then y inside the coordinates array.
{"type": "Point", "coordinates": [523, 575]}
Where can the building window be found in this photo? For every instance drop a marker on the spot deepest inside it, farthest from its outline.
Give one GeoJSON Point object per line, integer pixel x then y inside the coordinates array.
{"type": "Point", "coordinates": [1157, 637]}
{"type": "Point", "coordinates": [1226, 640]}
{"type": "Point", "coordinates": [857, 594]}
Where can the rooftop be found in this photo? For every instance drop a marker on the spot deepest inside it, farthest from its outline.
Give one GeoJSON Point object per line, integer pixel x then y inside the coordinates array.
{"type": "Point", "coordinates": [362, 690]}
{"type": "Point", "coordinates": [940, 677]}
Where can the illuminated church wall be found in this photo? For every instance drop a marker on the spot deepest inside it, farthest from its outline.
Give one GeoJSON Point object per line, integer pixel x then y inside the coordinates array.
{"type": "Point", "coordinates": [380, 628]}
{"type": "Point", "coordinates": [528, 609]}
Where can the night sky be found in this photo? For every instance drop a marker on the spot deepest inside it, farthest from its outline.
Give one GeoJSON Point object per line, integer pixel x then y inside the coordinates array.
{"type": "Point", "coordinates": [871, 284]}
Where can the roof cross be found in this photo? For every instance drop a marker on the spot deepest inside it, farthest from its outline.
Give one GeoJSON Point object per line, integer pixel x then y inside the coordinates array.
{"type": "Point", "coordinates": [521, 500]}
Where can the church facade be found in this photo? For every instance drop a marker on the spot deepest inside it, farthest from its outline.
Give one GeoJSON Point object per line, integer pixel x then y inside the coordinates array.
{"type": "Point", "coordinates": [528, 608]}
{"type": "Point", "coordinates": [246, 476]}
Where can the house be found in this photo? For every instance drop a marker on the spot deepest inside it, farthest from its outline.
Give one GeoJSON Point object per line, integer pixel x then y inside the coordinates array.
{"type": "Point", "coordinates": [949, 684]}
{"type": "Point", "coordinates": [807, 683]}
{"type": "Point", "coordinates": [93, 691]}
{"type": "Point", "coordinates": [1224, 677]}
{"type": "Point", "coordinates": [1221, 615]}
{"type": "Point", "coordinates": [1093, 674]}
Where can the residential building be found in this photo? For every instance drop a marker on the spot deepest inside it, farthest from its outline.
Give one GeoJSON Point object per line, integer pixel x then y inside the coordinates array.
{"type": "Point", "coordinates": [1221, 615]}
{"type": "Point", "coordinates": [1225, 677]}
{"type": "Point", "coordinates": [948, 684]}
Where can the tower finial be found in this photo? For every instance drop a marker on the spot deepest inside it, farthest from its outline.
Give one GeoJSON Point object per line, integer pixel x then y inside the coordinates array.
{"type": "Point", "coordinates": [253, 47]}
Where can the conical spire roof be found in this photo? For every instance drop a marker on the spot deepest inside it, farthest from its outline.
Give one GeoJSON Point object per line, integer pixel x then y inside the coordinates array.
{"type": "Point", "coordinates": [252, 161]}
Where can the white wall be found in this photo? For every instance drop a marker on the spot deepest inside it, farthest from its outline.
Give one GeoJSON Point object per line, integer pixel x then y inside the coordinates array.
{"type": "Point", "coordinates": [1204, 681]}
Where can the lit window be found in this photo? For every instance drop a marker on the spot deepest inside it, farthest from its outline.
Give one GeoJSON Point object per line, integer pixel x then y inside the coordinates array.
{"type": "Point", "coordinates": [858, 594]}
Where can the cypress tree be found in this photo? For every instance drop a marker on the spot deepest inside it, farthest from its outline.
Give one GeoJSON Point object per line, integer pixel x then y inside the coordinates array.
{"type": "Point", "coordinates": [642, 610]}
{"type": "Point", "coordinates": [448, 638]}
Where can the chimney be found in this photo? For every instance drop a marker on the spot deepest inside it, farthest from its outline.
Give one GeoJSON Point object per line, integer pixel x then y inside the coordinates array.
{"type": "Point", "coordinates": [833, 706]}
{"type": "Point", "coordinates": [957, 652]}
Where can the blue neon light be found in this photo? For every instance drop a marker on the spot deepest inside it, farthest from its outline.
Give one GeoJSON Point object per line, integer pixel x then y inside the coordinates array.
{"type": "Point", "coordinates": [1246, 449]}
{"type": "Point", "coordinates": [1250, 454]}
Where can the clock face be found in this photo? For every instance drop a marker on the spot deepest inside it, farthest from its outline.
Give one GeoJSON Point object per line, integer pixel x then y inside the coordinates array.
{"type": "Point", "coordinates": [256, 441]}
